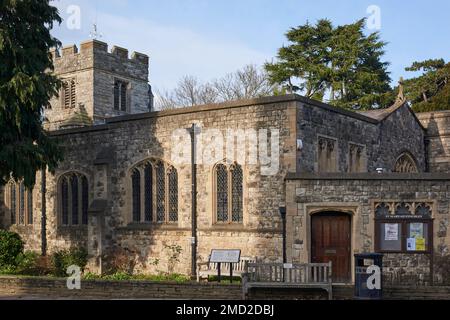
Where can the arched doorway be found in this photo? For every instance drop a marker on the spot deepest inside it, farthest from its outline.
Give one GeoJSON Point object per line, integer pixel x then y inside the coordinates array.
{"type": "Point", "coordinates": [331, 241]}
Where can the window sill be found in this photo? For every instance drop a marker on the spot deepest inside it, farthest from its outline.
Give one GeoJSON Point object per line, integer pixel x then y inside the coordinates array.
{"type": "Point", "coordinates": [228, 226]}
{"type": "Point", "coordinates": [78, 227]}
{"type": "Point", "coordinates": [153, 226]}
{"type": "Point", "coordinates": [22, 226]}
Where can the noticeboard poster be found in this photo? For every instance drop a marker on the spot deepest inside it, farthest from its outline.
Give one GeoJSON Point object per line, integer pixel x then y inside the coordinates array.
{"type": "Point", "coordinates": [420, 244]}
{"type": "Point", "coordinates": [391, 232]}
{"type": "Point", "coordinates": [411, 244]}
{"type": "Point", "coordinates": [416, 230]}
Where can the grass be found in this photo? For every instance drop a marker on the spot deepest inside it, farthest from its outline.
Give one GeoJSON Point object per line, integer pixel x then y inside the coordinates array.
{"type": "Point", "coordinates": [122, 276]}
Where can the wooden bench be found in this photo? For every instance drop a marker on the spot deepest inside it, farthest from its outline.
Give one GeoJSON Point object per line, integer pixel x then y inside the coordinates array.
{"type": "Point", "coordinates": [278, 275]}
{"type": "Point", "coordinates": [207, 269]}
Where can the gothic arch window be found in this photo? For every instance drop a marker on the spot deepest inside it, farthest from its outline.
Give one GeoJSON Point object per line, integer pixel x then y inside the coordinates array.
{"type": "Point", "coordinates": [73, 191]}
{"type": "Point", "coordinates": [19, 200]}
{"type": "Point", "coordinates": [120, 95]}
{"type": "Point", "coordinates": [228, 201]}
{"type": "Point", "coordinates": [405, 164]}
{"type": "Point", "coordinates": [154, 189]}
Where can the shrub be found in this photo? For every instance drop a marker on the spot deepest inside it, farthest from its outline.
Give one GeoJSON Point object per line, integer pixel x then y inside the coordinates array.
{"type": "Point", "coordinates": [27, 264]}
{"type": "Point", "coordinates": [119, 276]}
{"type": "Point", "coordinates": [63, 259]}
{"type": "Point", "coordinates": [11, 246]}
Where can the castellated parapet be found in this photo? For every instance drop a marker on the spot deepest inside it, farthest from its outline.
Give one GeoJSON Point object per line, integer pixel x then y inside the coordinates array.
{"type": "Point", "coordinates": [99, 84]}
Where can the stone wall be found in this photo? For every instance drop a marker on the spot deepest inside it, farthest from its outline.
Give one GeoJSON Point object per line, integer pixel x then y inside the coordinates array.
{"type": "Point", "coordinates": [105, 154]}
{"type": "Point", "coordinates": [44, 288]}
{"type": "Point", "coordinates": [438, 139]}
{"type": "Point", "coordinates": [94, 70]}
{"type": "Point", "coordinates": [383, 141]}
{"type": "Point", "coordinates": [400, 132]}
{"type": "Point", "coordinates": [355, 194]}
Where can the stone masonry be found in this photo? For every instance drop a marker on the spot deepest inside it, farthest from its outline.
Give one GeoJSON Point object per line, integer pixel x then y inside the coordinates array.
{"type": "Point", "coordinates": [106, 145]}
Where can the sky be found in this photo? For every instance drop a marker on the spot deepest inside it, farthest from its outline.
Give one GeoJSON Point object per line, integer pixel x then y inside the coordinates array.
{"type": "Point", "coordinates": [210, 38]}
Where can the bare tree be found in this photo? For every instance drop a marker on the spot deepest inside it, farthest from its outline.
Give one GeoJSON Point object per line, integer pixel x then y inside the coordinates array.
{"type": "Point", "coordinates": [165, 100]}
{"type": "Point", "coordinates": [249, 82]}
{"type": "Point", "coordinates": [246, 83]}
{"type": "Point", "coordinates": [187, 91]}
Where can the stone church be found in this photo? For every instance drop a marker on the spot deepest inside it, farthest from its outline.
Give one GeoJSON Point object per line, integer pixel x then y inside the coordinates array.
{"type": "Point", "coordinates": [351, 182]}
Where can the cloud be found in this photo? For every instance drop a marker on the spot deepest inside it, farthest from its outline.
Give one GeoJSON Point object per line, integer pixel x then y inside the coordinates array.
{"type": "Point", "coordinates": [174, 51]}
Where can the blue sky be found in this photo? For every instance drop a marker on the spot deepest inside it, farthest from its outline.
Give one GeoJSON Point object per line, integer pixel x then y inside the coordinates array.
{"type": "Point", "coordinates": [209, 38]}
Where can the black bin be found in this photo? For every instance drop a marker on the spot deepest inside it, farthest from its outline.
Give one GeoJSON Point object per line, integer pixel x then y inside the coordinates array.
{"type": "Point", "coordinates": [362, 264]}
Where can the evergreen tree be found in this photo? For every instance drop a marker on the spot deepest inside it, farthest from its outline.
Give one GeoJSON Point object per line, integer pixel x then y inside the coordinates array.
{"type": "Point", "coordinates": [26, 86]}
{"type": "Point", "coordinates": [431, 90]}
{"type": "Point", "coordinates": [339, 62]}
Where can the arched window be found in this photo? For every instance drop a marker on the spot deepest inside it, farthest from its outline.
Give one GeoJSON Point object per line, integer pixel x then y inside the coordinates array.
{"type": "Point", "coordinates": [120, 95]}
{"type": "Point", "coordinates": [13, 202]}
{"type": "Point", "coordinates": [148, 193]}
{"type": "Point", "coordinates": [173, 194]}
{"type": "Point", "coordinates": [158, 198]}
{"type": "Point", "coordinates": [136, 183]}
{"type": "Point", "coordinates": [19, 200]}
{"type": "Point", "coordinates": [73, 190]}
{"type": "Point", "coordinates": [228, 193]}
{"type": "Point", "coordinates": [405, 164]}
{"type": "Point", "coordinates": [222, 193]}
{"type": "Point", "coordinates": [160, 192]}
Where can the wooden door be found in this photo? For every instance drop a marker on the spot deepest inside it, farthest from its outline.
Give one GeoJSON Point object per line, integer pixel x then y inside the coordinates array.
{"type": "Point", "coordinates": [331, 241]}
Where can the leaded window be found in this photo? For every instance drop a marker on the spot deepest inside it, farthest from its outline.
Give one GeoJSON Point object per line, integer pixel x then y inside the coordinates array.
{"type": "Point", "coordinates": [13, 202]}
{"type": "Point", "coordinates": [236, 192]}
{"type": "Point", "coordinates": [65, 201]}
{"type": "Point", "coordinates": [136, 182]}
{"type": "Point", "coordinates": [222, 193]}
{"type": "Point", "coordinates": [173, 194]}
{"type": "Point", "coordinates": [148, 192]}
{"type": "Point", "coordinates": [21, 204]}
{"type": "Point", "coordinates": [405, 164]}
{"type": "Point", "coordinates": [30, 206]}
{"type": "Point", "coordinates": [159, 197]}
{"type": "Point", "coordinates": [74, 187]}
{"type": "Point", "coordinates": [229, 193]}
{"type": "Point", "coordinates": [19, 200]}
{"type": "Point", "coordinates": [73, 199]}
{"type": "Point", "coordinates": [160, 192]}
{"type": "Point", "coordinates": [85, 200]}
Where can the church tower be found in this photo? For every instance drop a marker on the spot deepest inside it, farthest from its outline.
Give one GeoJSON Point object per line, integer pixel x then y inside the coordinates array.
{"type": "Point", "coordinates": [97, 84]}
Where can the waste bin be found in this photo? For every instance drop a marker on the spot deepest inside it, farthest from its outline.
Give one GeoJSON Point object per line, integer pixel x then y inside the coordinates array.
{"type": "Point", "coordinates": [369, 276]}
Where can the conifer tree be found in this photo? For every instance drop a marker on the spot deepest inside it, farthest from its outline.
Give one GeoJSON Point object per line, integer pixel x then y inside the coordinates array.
{"type": "Point", "coordinates": [340, 65]}
{"type": "Point", "coordinates": [26, 86]}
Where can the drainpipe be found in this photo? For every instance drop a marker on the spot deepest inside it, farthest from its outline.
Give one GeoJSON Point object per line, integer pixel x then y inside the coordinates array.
{"type": "Point", "coordinates": [283, 219]}
{"type": "Point", "coordinates": [194, 240]}
{"type": "Point", "coordinates": [44, 212]}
